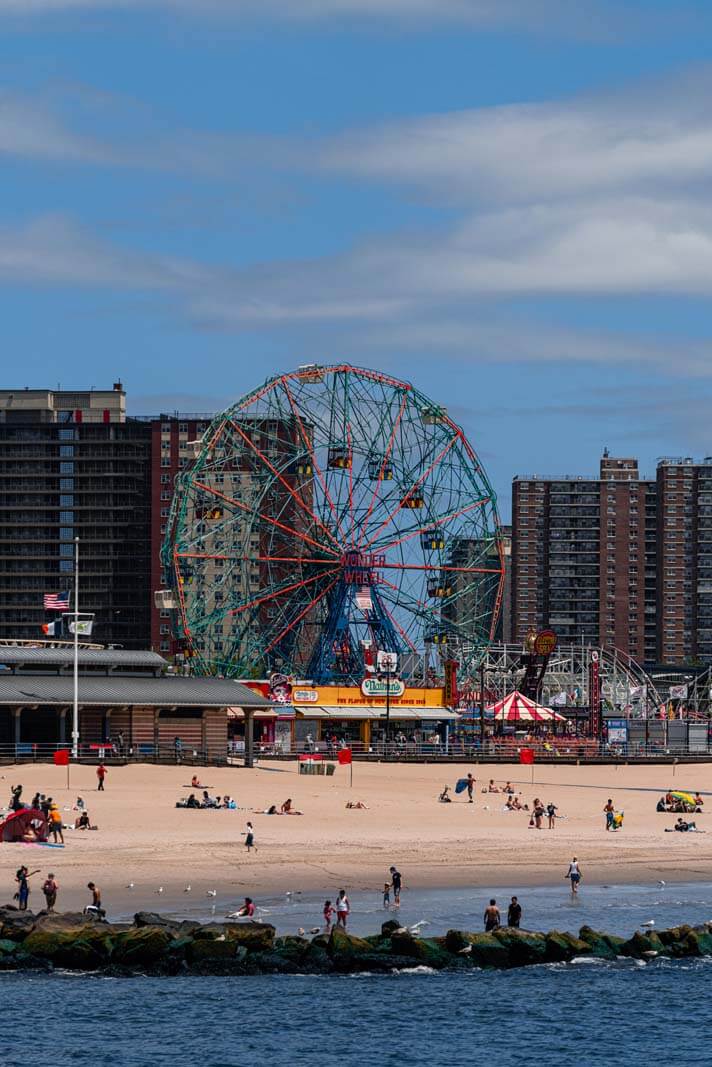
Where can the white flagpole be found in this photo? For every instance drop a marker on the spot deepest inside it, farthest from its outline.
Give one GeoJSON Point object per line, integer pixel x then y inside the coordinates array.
{"type": "Point", "coordinates": [75, 713]}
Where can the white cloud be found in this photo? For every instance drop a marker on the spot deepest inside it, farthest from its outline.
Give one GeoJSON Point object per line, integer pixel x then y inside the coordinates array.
{"type": "Point", "coordinates": [553, 17]}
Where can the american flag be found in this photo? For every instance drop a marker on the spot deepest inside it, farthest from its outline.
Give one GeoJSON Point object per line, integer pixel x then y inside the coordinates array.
{"type": "Point", "coordinates": [56, 601]}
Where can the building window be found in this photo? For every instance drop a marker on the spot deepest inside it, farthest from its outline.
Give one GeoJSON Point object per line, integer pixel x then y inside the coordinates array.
{"type": "Point", "coordinates": [66, 517]}
{"type": "Point", "coordinates": [165, 461]}
{"type": "Point", "coordinates": [66, 550]}
{"type": "Point", "coordinates": [164, 513]}
{"type": "Point", "coordinates": [182, 427]}
{"type": "Point", "coordinates": [165, 427]}
{"type": "Point", "coordinates": [66, 451]}
{"type": "Point", "coordinates": [66, 566]}
{"type": "Point", "coordinates": [165, 630]}
{"type": "Point", "coordinates": [165, 646]}
{"type": "Point", "coordinates": [66, 484]}
{"type": "Point", "coordinates": [66, 500]}
{"type": "Point", "coordinates": [66, 533]}
{"type": "Point", "coordinates": [165, 479]}
{"type": "Point", "coordinates": [66, 467]}
{"type": "Point", "coordinates": [165, 496]}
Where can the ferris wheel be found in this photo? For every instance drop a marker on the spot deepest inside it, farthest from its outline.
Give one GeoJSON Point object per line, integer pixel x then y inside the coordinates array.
{"type": "Point", "coordinates": [332, 514]}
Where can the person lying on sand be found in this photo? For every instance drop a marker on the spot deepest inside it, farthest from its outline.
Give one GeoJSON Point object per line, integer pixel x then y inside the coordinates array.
{"type": "Point", "coordinates": [359, 804]}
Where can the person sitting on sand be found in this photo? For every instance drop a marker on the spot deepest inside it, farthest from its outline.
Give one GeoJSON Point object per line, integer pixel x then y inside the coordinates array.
{"type": "Point", "coordinates": [669, 799]}
{"type": "Point", "coordinates": [492, 788]}
{"type": "Point", "coordinates": [509, 788]}
{"type": "Point", "coordinates": [287, 808]}
{"type": "Point", "coordinates": [192, 801]}
{"type": "Point", "coordinates": [228, 802]}
{"type": "Point", "coordinates": [358, 804]}
{"type": "Point", "coordinates": [444, 797]}
{"type": "Point", "coordinates": [698, 800]}
{"type": "Point", "coordinates": [208, 801]}
{"type": "Point", "coordinates": [660, 806]}
{"type": "Point", "coordinates": [195, 783]}
{"type": "Point", "coordinates": [82, 823]}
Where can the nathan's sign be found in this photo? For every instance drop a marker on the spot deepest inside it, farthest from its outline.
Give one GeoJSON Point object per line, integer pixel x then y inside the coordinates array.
{"type": "Point", "coordinates": [379, 687]}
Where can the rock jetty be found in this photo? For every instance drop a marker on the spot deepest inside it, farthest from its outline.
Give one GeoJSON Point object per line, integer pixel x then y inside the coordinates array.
{"type": "Point", "coordinates": [154, 944]}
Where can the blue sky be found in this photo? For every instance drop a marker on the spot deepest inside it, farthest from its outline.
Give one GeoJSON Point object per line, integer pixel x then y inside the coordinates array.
{"type": "Point", "coordinates": [506, 201]}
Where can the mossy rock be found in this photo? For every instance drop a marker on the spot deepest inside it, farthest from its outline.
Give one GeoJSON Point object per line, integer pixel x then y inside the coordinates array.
{"type": "Point", "coordinates": [522, 946]}
{"type": "Point", "coordinates": [142, 946]}
{"type": "Point", "coordinates": [484, 950]}
{"type": "Point", "coordinates": [51, 944]}
{"type": "Point", "coordinates": [153, 918]}
{"type": "Point", "coordinates": [316, 959]}
{"type": "Point", "coordinates": [698, 943]}
{"type": "Point", "coordinates": [675, 935]}
{"type": "Point", "coordinates": [343, 945]}
{"type": "Point", "coordinates": [255, 937]}
{"type": "Point", "coordinates": [78, 955]}
{"type": "Point", "coordinates": [563, 946]}
{"type": "Point", "coordinates": [16, 925]}
{"type": "Point", "coordinates": [389, 927]}
{"type": "Point", "coordinates": [7, 947]}
{"type": "Point", "coordinates": [210, 949]}
{"type": "Point", "coordinates": [601, 945]}
{"type": "Point", "coordinates": [291, 948]}
{"type": "Point", "coordinates": [276, 963]}
{"type": "Point", "coordinates": [422, 949]}
{"type": "Point", "coordinates": [641, 945]}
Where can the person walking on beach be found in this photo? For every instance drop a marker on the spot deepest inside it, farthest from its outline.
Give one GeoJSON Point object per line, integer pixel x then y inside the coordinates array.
{"type": "Point", "coordinates": [397, 884]}
{"type": "Point", "coordinates": [328, 915]}
{"type": "Point", "coordinates": [49, 888]}
{"type": "Point", "coordinates": [342, 908]}
{"type": "Point", "coordinates": [471, 783]}
{"type": "Point", "coordinates": [514, 913]}
{"type": "Point", "coordinates": [609, 811]}
{"type": "Point", "coordinates": [101, 775]}
{"type": "Point", "coordinates": [250, 837]}
{"type": "Point", "coordinates": [574, 875]}
{"type": "Point", "coordinates": [551, 810]}
{"type": "Point", "coordinates": [492, 918]}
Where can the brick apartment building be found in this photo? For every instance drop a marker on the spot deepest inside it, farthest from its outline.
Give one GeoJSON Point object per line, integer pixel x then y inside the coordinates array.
{"type": "Point", "coordinates": [584, 558]}
{"type": "Point", "coordinates": [619, 560]}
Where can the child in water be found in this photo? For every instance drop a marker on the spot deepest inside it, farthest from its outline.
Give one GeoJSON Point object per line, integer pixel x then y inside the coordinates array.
{"type": "Point", "coordinates": [328, 915]}
{"type": "Point", "coordinates": [387, 895]}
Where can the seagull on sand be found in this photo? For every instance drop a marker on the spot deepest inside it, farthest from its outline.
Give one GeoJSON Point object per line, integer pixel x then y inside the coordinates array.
{"type": "Point", "coordinates": [130, 885]}
{"type": "Point", "coordinates": [187, 889]}
{"type": "Point", "coordinates": [160, 889]}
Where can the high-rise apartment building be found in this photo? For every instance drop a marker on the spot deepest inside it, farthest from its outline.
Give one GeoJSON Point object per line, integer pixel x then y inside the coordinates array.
{"type": "Point", "coordinates": [171, 452]}
{"type": "Point", "coordinates": [685, 560]}
{"type": "Point", "coordinates": [584, 558]}
{"type": "Point", "coordinates": [72, 465]}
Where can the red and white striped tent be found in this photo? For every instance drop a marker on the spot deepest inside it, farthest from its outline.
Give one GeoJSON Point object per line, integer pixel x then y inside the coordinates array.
{"type": "Point", "coordinates": [515, 707]}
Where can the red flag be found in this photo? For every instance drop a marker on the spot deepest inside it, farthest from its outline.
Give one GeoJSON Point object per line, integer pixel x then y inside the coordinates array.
{"type": "Point", "coordinates": [345, 755]}
{"type": "Point", "coordinates": [526, 755]}
{"type": "Point", "coordinates": [61, 757]}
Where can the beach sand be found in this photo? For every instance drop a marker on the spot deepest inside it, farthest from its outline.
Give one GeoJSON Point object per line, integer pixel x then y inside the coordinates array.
{"type": "Point", "coordinates": [143, 838]}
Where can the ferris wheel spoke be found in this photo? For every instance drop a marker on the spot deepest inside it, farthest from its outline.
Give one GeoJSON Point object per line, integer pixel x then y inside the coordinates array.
{"type": "Point", "coordinates": [312, 454]}
{"type": "Point", "coordinates": [386, 457]}
{"type": "Point", "coordinates": [281, 591]}
{"type": "Point", "coordinates": [400, 629]}
{"type": "Point", "coordinates": [271, 467]}
{"type": "Point", "coordinates": [421, 604]}
{"type": "Point", "coordinates": [438, 524]}
{"type": "Point", "coordinates": [419, 481]}
{"type": "Point", "coordinates": [266, 518]}
{"type": "Point", "coordinates": [290, 626]}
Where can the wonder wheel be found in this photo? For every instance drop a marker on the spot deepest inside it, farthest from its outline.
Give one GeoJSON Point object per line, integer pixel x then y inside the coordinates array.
{"type": "Point", "coordinates": [329, 515]}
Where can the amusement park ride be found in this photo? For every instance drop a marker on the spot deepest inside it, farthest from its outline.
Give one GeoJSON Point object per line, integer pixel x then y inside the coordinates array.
{"type": "Point", "coordinates": [329, 515]}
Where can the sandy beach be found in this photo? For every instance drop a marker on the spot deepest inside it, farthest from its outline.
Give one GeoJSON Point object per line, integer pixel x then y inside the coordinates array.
{"type": "Point", "coordinates": [145, 840]}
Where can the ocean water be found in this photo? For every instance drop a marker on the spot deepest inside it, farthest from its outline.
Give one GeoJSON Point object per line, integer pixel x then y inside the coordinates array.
{"type": "Point", "coordinates": [588, 1012]}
